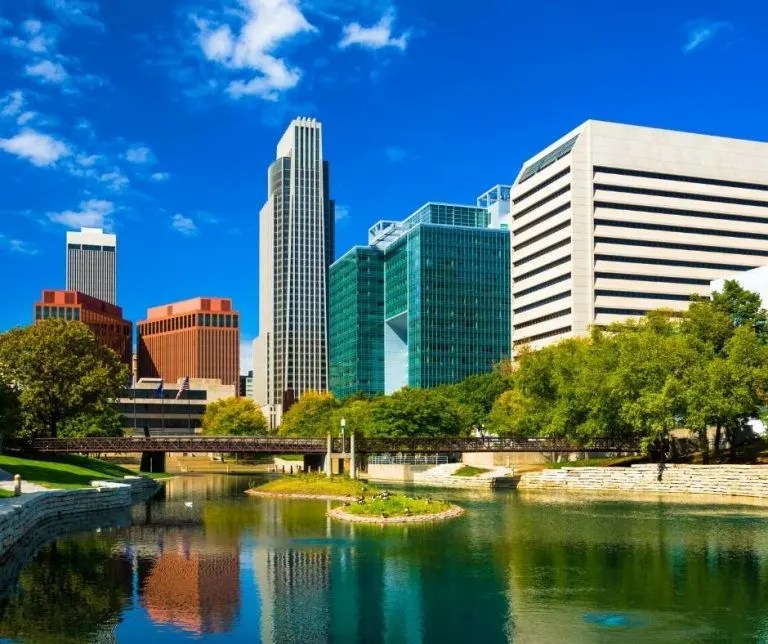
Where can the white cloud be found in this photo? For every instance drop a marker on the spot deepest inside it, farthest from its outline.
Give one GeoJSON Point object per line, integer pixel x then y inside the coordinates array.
{"type": "Point", "coordinates": [395, 153]}
{"type": "Point", "coordinates": [341, 212]}
{"type": "Point", "coordinates": [117, 180]}
{"type": "Point", "coordinates": [160, 177]}
{"type": "Point", "coordinates": [94, 213]}
{"type": "Point", "coordinates": [26, 117]}
{"type": "Point", "coordinates": [38, 148]}
{"type": "Point", "coordinates": [12, 103]}
{"type": "Point", "coordinates": [247, 52]}
{"type": "Point", "coordinates": [88, 160]}
{"type": "Point", "coordinates": [77, 12]}
{"type": "Point", "coordinates": [17, 246]}
{"type": "Point", "coordinates": [699, 33]}
{"type": "Point", "coordinates": [139, 155]}
{"type": "Point", "coordinates": [38, 38]}
{"type": "Point", "coordinates": [378, 36]}
{"type": "Point", "coordinates": [47, 71]}
{"type": "Point", "coordinates": [183, 225]}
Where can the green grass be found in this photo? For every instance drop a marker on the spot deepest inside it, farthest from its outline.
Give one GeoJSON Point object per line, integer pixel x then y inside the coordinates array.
{"type": "Point", "coordinates": [618, 461]}
{"type": "Point", "coordinates": [470, 470]}
{"type": "Point", "coordinates": [4, 494]}
{"type": "Point", "coordinates": [315, 484]}
{"type": "Point", "coordinates": [396, 505]}
{"type": "Point", "coordinates": [64, 472]}
{"type": "Point", "coordinates": [290, 457]}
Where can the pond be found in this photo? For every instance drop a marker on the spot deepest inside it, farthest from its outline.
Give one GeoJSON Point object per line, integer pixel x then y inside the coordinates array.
{"type": "Point", "coordinates": [206, 563]}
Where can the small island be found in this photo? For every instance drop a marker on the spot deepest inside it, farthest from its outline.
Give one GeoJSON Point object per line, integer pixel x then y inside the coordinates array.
{"type": "Point", "coordinates": [362, 503]}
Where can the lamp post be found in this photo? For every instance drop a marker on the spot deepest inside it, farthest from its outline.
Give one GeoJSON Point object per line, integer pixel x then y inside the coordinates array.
{"type": "Point", "coordinates": [343, 431]}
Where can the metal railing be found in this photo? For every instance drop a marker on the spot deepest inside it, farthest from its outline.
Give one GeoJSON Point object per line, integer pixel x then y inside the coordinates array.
{"type": "Point", "coordinates": [407, 459]}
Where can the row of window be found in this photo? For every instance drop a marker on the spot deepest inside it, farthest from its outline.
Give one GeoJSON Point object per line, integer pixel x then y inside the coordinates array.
{"type": "Point", "coordinates": [106, 249]}
{"type": "Point", "coordinates": [677, 177]}
{"type": "Point", "coordinates": [682, 212]}
{"type": "Point", "coordinates": [681, 229]}
{"type": "Point", "coordinates": [543, 318]}
{"type": "Point", "coordinates": [646, 296]}
{"type": "Point", "coordinates": [68, 313]}
{"type": "Point", "coordinates": [542, 336]}
{"type": "Point", "coordinates": [541, 269]}
{"type": "Point", "coordinates": [546, 300]}
{"type": "Point", "coordinates": [612, 311]}
{"type": "Point", "coordinates": [543, 251]}
{"type": "Point", "coordinates": [548, 159]}
{"type": "Point", "coordinates": [541, 202]}
{"type": "Point", "coordinates": [651, 278]}
{"type": "Point", "coordinates": [678, 246]}
{"type": "Point", "coordinates": [673, 262]}
{"type": "Point", "coordinates": [544, 217]}
{"type": "Point", "coordinates": [542, 185]}
{"type": "Point", "coordinates": [542, 235]}
{"type": "Point", "coordinates": [220, 320]}
{"type": "Point", "coordinates": [737, 201]}
{"type": "Point", "coordinates": [542, 285]}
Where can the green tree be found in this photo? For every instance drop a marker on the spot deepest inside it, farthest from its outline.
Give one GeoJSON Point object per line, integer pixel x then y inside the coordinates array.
{"type": "Point", "coordinates": [479, 393]}
{"type": "Point", "coordinates": [420, 412]}
{"type": "Point", "coordinates": [105, 422]}
{"type": "Point", "coordinates": [234, 417]}
{"type": "Point", "coordinates": [59, 371]}
{"type": "Point", "coordinates": [744, 307]}
{"type": "Point", "coordinates": [358, 415]}
{"type": "Point", "coordinates": [311, 415]}
{"type": "Point", "coordinates": [9, 410]}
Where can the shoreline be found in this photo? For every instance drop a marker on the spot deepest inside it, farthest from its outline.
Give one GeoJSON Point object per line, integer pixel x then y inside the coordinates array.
{"type": "Point", "coordinates": [451, 513]}
{"type": "Point", "coordinates": [20, 515]}
{"type": "Point", "coordinates": [300, 496]}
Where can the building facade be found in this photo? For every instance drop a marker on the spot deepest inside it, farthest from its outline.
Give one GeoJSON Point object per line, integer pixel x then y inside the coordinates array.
{"type": "Point", "coordinates": [425, 303]}
{"type": "Point", "coordinates": [498, 203]}
{"type": "Point", "coordinates": [105, 320]}
{"type": "Point", "coordinates": [92, 263]}
{"type": "Point", "coordinates": [197, 338]}
{"type": "Point", "coordinates": [295, 250]}
{"type": "Point", "coordinates": [144, 409]}
{"type": "Point", "coordinates": [612, 220]}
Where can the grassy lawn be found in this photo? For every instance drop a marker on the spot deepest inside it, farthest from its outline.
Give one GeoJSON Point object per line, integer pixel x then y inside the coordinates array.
{"type": "Point", "coordinates": [619, 461]}
{"type": "Point", "coordinates": [64, 472]}
{"type": "Point", "coordinates": [315, 484]}
{"type": "Point", "coordinates": [470, 470]}
{"type": "Point", "coordinates": [290, 457]}
{"type": "Point", "coordinates": [4, 494]}
{"type": "Point", "coordinates": [396, 506]}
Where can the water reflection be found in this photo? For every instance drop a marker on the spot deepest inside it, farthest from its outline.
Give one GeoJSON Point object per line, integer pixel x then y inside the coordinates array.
{"type": "Point", "coordinates": [205, 562]}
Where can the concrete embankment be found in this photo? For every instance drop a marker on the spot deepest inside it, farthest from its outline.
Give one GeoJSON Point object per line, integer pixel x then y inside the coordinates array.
{"type": "Point", "coordinates": [730, 480]}
{"type": "Point", "coordinates": [441, 476]}
{"type": "Point", "coordinates": [20, 515]}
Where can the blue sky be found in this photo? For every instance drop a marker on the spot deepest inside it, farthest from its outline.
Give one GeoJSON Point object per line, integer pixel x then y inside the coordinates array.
{"type": "Point", "coordinates": [157, 120]}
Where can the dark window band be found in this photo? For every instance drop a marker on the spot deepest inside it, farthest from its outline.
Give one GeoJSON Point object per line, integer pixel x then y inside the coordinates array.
{"type": "Point", "coordinates": [676, 246]}
{"type": "Point", "coordinates": [681, 195]}
{"type": "Point", "coordinates": [680, 229]}
{"type": "Point", "coordinates": [542, 235]}
{"type": "Point", "coordinates": [543, 251]}
{"type": "Point", "coordinates": [651, 278]}
{"type": "Point", "coordinates": [672, 262]}
{"type": "Point", "coordinates": [680, 212]}
{"type": "Point", "coordinates": [546, 300]}
{"type": "Point", "coordinates": [541, 269]}
{"type": "Point", "coordinates": [541, 202]}
{"type": "Point", "coordinates": [646, 296]}
{"type": "Point", "coordinates": [543, 318]}
{"type": "Point", "coordinates": [544, 217]}
{"type": "Point", "coordinates": [542, 185]}
{"type": "Point", "coordinates": [541, 336]}
{"type": "Point", "coordinates": [678, 177]}
{"type": "Point", "coordinates": [542, 285]}
{"type": "Point", "coordinates": [602, 309]}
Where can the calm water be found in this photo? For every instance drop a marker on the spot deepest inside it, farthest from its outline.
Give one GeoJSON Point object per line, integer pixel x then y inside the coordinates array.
{"type": "Point", "coordinates": [520, 568]}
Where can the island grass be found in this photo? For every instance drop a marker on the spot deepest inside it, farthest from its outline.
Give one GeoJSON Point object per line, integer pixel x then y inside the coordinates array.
{"type": "Point", "coordinates": [316, 485]}
{"type": "Point", "coordinates": [617, 461]}
{"type": "Point", "coordinates": [290, 457]}
{"type": "Point", "coordinates": [63, 471]}
{"type": "Point", "coordinates": [4, 494]}
{"type": "Point", "coordinates": [470, 470]}
{"type": "Point", "coordinates": [396, 505]}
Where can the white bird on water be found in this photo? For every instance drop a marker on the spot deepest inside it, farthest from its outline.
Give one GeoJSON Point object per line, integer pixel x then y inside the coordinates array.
{"type": "Point", "coordinates": [187, 504]}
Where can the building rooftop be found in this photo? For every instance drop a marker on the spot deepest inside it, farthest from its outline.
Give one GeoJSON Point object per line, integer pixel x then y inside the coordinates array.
{"type": "Point", "coordinates": [68, 297]}
{"type": "Point", "coordinates": [194, 305]}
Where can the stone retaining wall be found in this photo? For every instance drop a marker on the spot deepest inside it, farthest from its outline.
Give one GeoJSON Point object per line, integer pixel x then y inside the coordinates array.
{"type": "Point", "coordinates": [451, 513]}
{"type": "Point", "coordinates": [19, 515]}
{"type": "Point", "coordinates": [731, 480]}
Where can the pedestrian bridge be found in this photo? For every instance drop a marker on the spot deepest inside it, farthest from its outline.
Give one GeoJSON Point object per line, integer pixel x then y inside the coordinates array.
{"type": "Point", "coordinates": [282, 445]}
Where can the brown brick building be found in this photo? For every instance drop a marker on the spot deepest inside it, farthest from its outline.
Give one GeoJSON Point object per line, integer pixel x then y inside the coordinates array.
{"type": "Point", "coordinates": [104, 319]}
{"type": "Point", "coordinates": [199, 338]}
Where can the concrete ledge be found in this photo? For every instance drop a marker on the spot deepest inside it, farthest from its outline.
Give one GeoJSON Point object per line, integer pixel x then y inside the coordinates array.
{"type": "Point", "coordinates": [726, 480]}
{"type": "Point", "coordinates": [311, 497]}
{"type": "Point", "coordinates": [19, 515]}
{"type": "Point", "coordinates": [341, 515]}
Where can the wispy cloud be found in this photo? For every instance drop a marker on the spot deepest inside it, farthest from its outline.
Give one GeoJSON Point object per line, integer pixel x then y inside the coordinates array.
{"type": "Point", "coordinates": [115, 180]}
{"type": "Point", "coordinates": [76, 12]}
{"type": "Point", "coordinates": [378, 36]}
{"type": "Point", "coordinates": [94, 213]}
{"type": "Point", "coordinates": [700, 33]}
{"type": "Point", "coordinates": [12, 103]}
{"type": "Point", "coordinates": [395, 153]}
{"type": "Point", "coordinates": [341, 213]}
{"type": "Point", "coordinates": [17, 246]}
{"type": "Point", "coordinates": [139, 155]}
{"type": "Point", "coordinates": [37, 148]}
{"type": "Point", "coordinates": [183, 225]}
{"type": "Point", "coordinates": [47, 72]}
{"type": "Point", "coordinates": [160, 177]}
{"type": "Point", "coordinates": [242, 40]}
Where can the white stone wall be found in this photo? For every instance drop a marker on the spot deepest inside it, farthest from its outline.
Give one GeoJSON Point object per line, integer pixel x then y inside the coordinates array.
{"type": "Point", "coordinates": [21, 514]}
{"type": "Point", "coordinates": [732, 480]}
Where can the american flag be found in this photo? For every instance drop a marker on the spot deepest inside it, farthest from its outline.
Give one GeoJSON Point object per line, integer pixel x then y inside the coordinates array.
{"type": "Point", "coordinates": [183, 387]}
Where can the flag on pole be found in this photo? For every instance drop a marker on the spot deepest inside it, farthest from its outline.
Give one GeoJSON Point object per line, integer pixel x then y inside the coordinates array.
{"type": "Point", "coordinates": [183, 387]}
{"type": "Point", "coordinates": [160, 389]}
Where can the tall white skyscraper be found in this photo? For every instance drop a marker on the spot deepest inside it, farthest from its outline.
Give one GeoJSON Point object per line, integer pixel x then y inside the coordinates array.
{"type": "Point", "coordinates": [295, 251]}
{"type": "Point", "coordinates": [92, 263]}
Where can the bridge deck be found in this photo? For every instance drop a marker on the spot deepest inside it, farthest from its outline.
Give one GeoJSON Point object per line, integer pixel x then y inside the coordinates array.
{"type": "Point", "coordinates": [281, 445]}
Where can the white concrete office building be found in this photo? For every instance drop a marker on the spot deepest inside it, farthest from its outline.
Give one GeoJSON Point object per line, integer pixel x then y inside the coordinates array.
{"type": "Point", "coordinates": [611, 221]}
{"type": "Point", "coordinates": [295, 251]}
{"type": "Point", "coordinates": [92, 263]}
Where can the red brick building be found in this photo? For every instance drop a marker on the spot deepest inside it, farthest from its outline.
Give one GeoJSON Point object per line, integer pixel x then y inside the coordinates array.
{"type": "Point", "coordinates": [199, 338]}
{"type": "Point", "coordinates": [104, 319]}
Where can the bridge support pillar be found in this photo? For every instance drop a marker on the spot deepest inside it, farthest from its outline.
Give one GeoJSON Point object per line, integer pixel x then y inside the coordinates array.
{"type": "Point", "coordinates": [152, 462]}
{"type": "Point", "coordinates": [352, 461]}
{"type": "Point", "coordinates": [328, 457]}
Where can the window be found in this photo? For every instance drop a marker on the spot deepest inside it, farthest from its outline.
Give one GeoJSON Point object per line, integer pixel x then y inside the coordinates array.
{"type": "Point", "coordinates": [546, 300]}
{"type": "Point", "coordinates": [46, 312]}
{"type": "Point", "coordinates": [543, 318]}
{"type": "Point", "coordinates": [678, 177]}
{"type": "Point", "coordinates": [543, 251]}
{"type": "Point", "coordinates": [542, 336]}
{"type": "Point", "coordinates": [234, 321]}
{"type": "Point", "coordinates": [542, 285]}
{"type": "Point", "coordinates": [199, 319]}
{"type": "Point", "coordinates": [229, 321]}
{"type": "Point", "coordinates": [38, 313]}
{"type": "Point", "coordinates": [649, 296]}
{"type": "Point", "coordinates": [77, 315]}
{"type": "Point", "coordinates": [541, 202]}
{"type": "Point", "coordinates": [672, 262]}
{"type": "Point", "coordinates": [679, 211]}
{"type": "Point", "coordinates": [548, 159]}
{"type": "Point", "coordinates": [61, 312]}
{"type": "Point", "coordinates": [214, 320]}
{"type": "Point", "coordinates": [69, 313]}
{"type": "Point", "coordinates": [207, 319]}
{"type": "Point", "coordinates": [680, 229]}
{"type": "Point", "coordinates": [676, 246]}
{"type": "Point", "coordinates": [680, 195]}
{"type": "Point", "coordinates": [221, 319]}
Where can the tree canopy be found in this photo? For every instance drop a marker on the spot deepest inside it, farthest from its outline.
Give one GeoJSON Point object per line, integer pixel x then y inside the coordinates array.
{"type": "Point", "coordinates": [58, 371]}
{"type": "Point", "coordinates": [234, 417]}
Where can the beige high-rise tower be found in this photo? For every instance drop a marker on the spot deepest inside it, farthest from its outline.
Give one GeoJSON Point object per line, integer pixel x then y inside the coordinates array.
{"type": "Point", "coordinates": [295, 251]}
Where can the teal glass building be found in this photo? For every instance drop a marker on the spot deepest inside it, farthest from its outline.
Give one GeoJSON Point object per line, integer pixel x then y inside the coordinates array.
{"type": "Point", "coordinates": [426, 303]}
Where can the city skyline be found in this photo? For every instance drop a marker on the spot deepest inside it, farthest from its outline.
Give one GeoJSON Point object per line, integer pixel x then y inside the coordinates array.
{"type": "Point", "coordinates": [109, 120]}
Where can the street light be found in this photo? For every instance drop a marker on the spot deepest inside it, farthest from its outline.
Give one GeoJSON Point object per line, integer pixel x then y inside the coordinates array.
{"type": "Point", "coordinates": [343, 428]}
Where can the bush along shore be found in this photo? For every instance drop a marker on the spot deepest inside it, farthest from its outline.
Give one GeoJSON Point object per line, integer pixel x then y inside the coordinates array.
{"type": "Point", "coordinates": [362, 503]}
